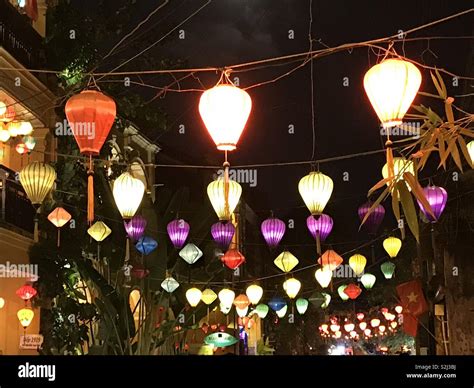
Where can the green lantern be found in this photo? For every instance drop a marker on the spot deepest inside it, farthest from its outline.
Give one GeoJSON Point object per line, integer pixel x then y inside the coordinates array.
{"type": "Point", "coordinates": [342, 294]}
{"type": "Point", "coordinates": [387, 268]}
{"type": "Point", "coordinates": [368, 280]}
{"type": "Point", "coordinates": [302, 305]}
{"type": "Point", "coordinates": [220, 340]}
{"type": "Point", "coordinates": [262, 310]}
{"type": "Point", "coordinates": [327, 300]}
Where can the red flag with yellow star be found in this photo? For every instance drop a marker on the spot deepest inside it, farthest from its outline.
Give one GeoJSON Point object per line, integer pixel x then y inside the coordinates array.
{"type": "Point", "coordinates": [411, 297]}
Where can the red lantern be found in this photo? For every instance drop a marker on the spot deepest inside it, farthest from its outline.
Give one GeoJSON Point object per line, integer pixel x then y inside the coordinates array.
{"type": "Point", "coordinates": [233, 258]}
{"type": "Point", "coordinates": [139, 271]}
{"type": "Point", "coordinates": [330, 259]}
{"type": "Point", "coordinates": [352, 291]}
{"type": "Point", "coordinates": [242, 301]}
{"type": "Point", "coordinates": [91, 115]}
{"type": "Point", "coordinates": [26, 292]}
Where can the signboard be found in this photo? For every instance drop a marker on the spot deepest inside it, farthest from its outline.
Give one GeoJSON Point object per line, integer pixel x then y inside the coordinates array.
{"type": "Point", "coordinates": [31, 341]}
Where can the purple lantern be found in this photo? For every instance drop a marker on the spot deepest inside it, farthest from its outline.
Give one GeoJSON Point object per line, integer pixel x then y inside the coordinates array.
{"type": "Point", "coordinates": [437, 198]}
{"type": "Point", "coordinates": [135, 228]}
{"type": "Point", "coordinates": [273, 230]}
{"type": "Point", "coordinates": [374, 219]}
{"type": "Point", "coordinates": [222, 232]}
{"type": "Point", "coordinates": [321, 225]}
{"type": "Point", "coordinates": [178, 231]}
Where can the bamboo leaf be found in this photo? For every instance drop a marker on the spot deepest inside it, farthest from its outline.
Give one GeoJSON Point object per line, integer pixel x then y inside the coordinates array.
{"type": "Point", "coordinates": [376, 203]}
{"type": "Point", "coordinates": [396, 203]}
{"type": "Point", "coordinates": [379, 184]}
{"type": "Point", "coordinates": [418, 192]}
{"type": "Point", "coordinates": [467, 132]}
{"type": "Point", "coordinates": [442, 152]}
{"type": "Point", "coordinates": [409, 209]}
{"type": "Point", "coordinates": [465, 151]}
{"type": "Point", "coordinates": [451, 144]}
{"type": "Point", "coordinates": [441, 83]}
{"type": "Point", "coordinates": [437, 86]}
{"type": "Point", "coordinates": [430, 95]}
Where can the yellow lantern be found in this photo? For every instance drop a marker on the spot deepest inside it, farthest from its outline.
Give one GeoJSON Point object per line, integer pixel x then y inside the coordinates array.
{"type": "Point", "coordinates": [357, 263]}
{"type": "Point", "coordinates": [193, 296]}
{"type": "Point", "coordinates": [4, 134]}
{"type": "Point", "coordinates": [286, 261]}
{"type": "Point", "coordinates": [226, 297]}
{"type": "Point", "coordinates": [208, 296]}
{"type": "Point", "coordinates": [315, 189]}
{"type": "Point", "coordinates": [25, 128]}
{"type": "Point", "coordinates": [224, 109]}
{"type": "Point", "coordinates": [128, 194]}
{"type": "Point", "coordinates": [392, 246]}
{"type": "Point", "coordinates": [400, 166]}
{"type": "Point", "coordinates": [470, 150]}
{"type": "Point", "coordinates": [216, 191]}
{"type": "Point", "coordinates": [37, 179]}
{"type": "Point", "coordinates": [14, 128]}
{"type": "Point", "coordinates": [254, 293]}
{"type": "Point", "coordinates": [99, 231]}
{"type": "Point", "coordinates": [323, 276]}
{"type": "Point", "coordinates": [391, 87]}
{"type": "Point", "coordinates": [25, 316]}
{"type": "Point", "coordinates": [292, 286]}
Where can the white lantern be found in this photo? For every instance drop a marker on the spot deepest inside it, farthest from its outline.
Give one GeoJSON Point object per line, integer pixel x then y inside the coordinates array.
{"type": "Point", "coordinates": [128, 194]}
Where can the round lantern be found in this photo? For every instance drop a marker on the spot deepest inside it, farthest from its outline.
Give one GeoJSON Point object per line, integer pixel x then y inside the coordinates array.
{"type": "Point", "coordinates": [392, 246]}
{"type": "Point", "coordinates": [146, 245]}
{"type": "Point", "coordinates": [276, 303]}
{"type": "Point", "coordinates": [233, 259]}
{"type": "Point", "coordinates": [21, 148]}
{"type": "Point", "coordinates": [398, 309]}
{"type": "Point", "coordinates": [254, 293]}
{"type": "Point", "coordinates": [170, 284]}
{"type": "Point", "coordinates": [190, 253]}
{"type": "Point", "coordinates": [282, 312]}
{"type": "Point", "coordinates": [437, 198]}
{"type": "Point", "coordinates": [357, 263]}
{"type": "Point", "coordinates": [223, 233]}
{"type": "Point", "coordinates": [208, 296]}
{"type": "Point", "coordinates": [393, 324]}
{"type": "Point", "coordinates": [224, 109]}
{"type": "Point", "coordinates": [330, 259]}
{"type": "Point", "coordinates": [193, 296]}
{"type": "Point", "coordinates": [292, 286]}
{"type": "Point", "coordinates": [226, 297]}
{"type": "Point", "coordinates": [375, 322]}
{"type": "Point", "coordinates": [342, 294]}
{"type": "Point", "coordinates": [25, 316]}
{"type": "Point", "coordinates": [323, 276]}
{"type": "Point", "coordinates": [135, 228]}
{"type": "Point", "coordinates": [273, 230]}
{"type": "Point", "coordinates": [26, 292]}
{"type": "Point", "coordinates": [315, 189]}
{"type": "Point", "coordinates": [178, 231]}
{"type": "Point", "coordinates": [37, 179]}
{"type": "Point", "coordinates": [128, 194]}
{"type": "Point", "coordinates": [368, 280]}
{"type": "Point", "coordinates": [242, 301]}
{"type": "Point", "coordinates": [363, 325]}
{"type": "Point", "coordinates": [262, 310]}
{"type": "Point", "coordinates": [224, 198]}
{"type": "Point", "coordinates": [353, 291]}
{"type": "Point", "coordinates": [391, 87]}
{"type": "Point", "coordinates": [349, 326]}
{"type": "Point", "coordinates": [286, 261]}
{"type": "Point", "coordinates": [99, 231]}
{"type": "Point", "coordinates": [4, 134]}
{"type": "Point", "coordinates": [320, 226]}
{"type": "Point", "coordinates": [374, 219]}
{"type": "Point", "coordinates": [387, 268]}
{"type": "Point", "coordinates": [302, 305]}
{"type": "Point", "coordinates": [400, 166]}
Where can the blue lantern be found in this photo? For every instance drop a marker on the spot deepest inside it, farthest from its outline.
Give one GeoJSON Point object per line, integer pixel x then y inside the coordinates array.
{"type": "Point", "coordinates": [146, 245]}
{"type": "Point", "coordinates": [277, 303]}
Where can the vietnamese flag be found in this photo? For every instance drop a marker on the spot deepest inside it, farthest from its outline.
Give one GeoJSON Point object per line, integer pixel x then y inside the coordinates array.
{"type": "Point", "coordinates": [411, 297]}
{"type": "Point", "coordinates": [410, 324]}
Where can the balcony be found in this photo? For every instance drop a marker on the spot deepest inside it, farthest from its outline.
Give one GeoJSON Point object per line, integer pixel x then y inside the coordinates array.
{"type": "Point", "coordinates": [17, 213]}
{"type": "Point", "coordinates": [18, 37]}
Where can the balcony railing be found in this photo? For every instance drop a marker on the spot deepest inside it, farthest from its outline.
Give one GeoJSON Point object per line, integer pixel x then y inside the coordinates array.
{"type": "Point", "coordinates": [16, 209]}
{"type": "Point", "coordinates": [18, 37]}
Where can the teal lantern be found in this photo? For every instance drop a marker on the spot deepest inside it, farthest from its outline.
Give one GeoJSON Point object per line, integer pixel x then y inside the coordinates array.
{"type": "Point", "coordinates": [342, 294]}
{"type": "Point", "coordinates": [302, 305]}
{"type": "Point", "coordinates": [368, 280]}
{"type": "Point", "coordinates": [262, 310]}
{"type": "Point", "coordinates": [220, 340]}
{"type": "Point", "coordinates": [387, 268]}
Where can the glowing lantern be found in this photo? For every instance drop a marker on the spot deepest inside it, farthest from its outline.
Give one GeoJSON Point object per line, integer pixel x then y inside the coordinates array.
{"type": "Point", "coordinates": [242, 312]}
{"type": "Point", "coordinates": [324, 327]}
{"type": "Point", "coordinates": [241, 301]}
{"type": "Point", "coordinates": [334, 327]}
{"type": "Point", "coordinates": [342, 294]}
{"type": "Point", "coordinates": [353, 334]}
{"type": "Point", "coordinates": [29, 142]}
{"type": "Point", "coordinates": [292, 286]}
{"type": "Point", "coordinates": [360, 316]}
{"type": "Point", "coordinates": [273, 230]}
{"type": "Point", "coordinates": [320, 227]}
{"type": "Point", "coordinates": [363, 325]}
{"type": "Point", "coordinates": [224, 309]}
{"type": "Point", "coordinates": [190, 253]}
{"type": "Point", "coordinates": [262, 310]}
{"type": "Point", "coordinates": [374, 322]}
{"type": "Point", "coordinates": [37, 179]}
{"type": "Point", "coordinates": [21, 148]}
{"type": "Point", "coordinates": [208, 296]}
{"type": "Point", "coordinates": [470, 150]}
{"type": "Point", "coordinates": [25, 316]}
{"type": "Point", "coordinates": [367, 332]}
{"type": "Point", "coordinates": [254, 293]}
{"type": "Point", "coordinates": [374, 219]}
{"type": "Point", "coordinates": [327, 300]}
{"type": "Point", "coordinates": [315, 189]}
{"type": "Point", "coordinates": [224, 198]}
{"type": "Point", "coordinates": [382, 329]}
{"type": "Point", "coordinates": [393, 324]}
{"type": "Point", "coordinates": [437, 198]}
{"type": "Point", "coordinates": [99, 231]}
{"type": "Point", "coordinates": [26, 292]}
{"type": "Point", "coordinates": [400, 166]}
{"type": "Point", "coordinates": [4, 134]}
{"type": "Point", "coordinates": [398, 309]}
{"type": "Point", "coordinates": [302, 305]}
{"type": "Point", "coordinates": [59, 217]}
{"type": "Point", "coordinates": [128, 194]}
{"type": "Point", "coordinates": [222, 233]}
{"type": "Point", "coordinates": [193, 296]}
{"type": "Point", "coordinates": [146, 245]}
{"type": "Point", "coordinates": [323, 276]}
{"type": "Point", "coordinates": [220, 340]}
{"type": "Point", "coordinates": [349, 327]}
{"type": "Point", "coordinates": [178, 231]}
{"type": "Point", "coordinates": [24, 128]}
{"type": "Point", "coordinates": [357, 263]}
{"type": "Point", "coordinates": [391, 87]}
{"type": "Point", "coordinates": [368, 280]}
{"type": "Point", "coordinates": [14, 128]}
{"type": "Point", "coordinates": [170, 284]}
{"type": "Point", "coordinates": [352, 291]}
{"type": "Point", "coordinates": [2, 303]}
{"type": "Point", "coordinates": [3, 108]}
{"type": "Point", "coordinates": [392, 246]}
{"type": "Point", "coordinates": [276, 303]}
{"type": "Point", "coordinates": [286, 261]}
{"type": "Point", "coordinates": [282, 312]}
{"type": "Point", "coordinates": [226, 297]}
{"type": "Point", "coordinates": [224, 109]}
{"type": "Point", "coordinates": [233, 259]}
{"type": "Point", "coordinates": [387, 268]}
{"type": "Point", "coordinates": [135, 228]}
{"type": "Point", "coordinates": [8, 112]}
{"type": "Point", "coordinates": [330, 259]}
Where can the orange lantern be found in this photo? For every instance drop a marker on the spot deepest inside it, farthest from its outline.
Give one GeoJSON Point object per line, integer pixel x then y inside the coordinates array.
{"type": "Point", "coordinates": [330, 259]}
{"type": "Point", "coordinates": [91, 115]}
{"type": "Point", "coordinates": [59, 217]}
{"type": "Point", "coordinates": [352, 291]}
{"type": "Point", "coordinates": [233, 258]}
{"type": "Point", "coordinates": [242, 301]}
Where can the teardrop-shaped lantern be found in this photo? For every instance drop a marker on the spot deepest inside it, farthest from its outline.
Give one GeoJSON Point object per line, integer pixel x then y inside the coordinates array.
{"type": "Point", "coordinates": [26, 292]}
{"type": "Point", "coordinates": [224, 109]}
{"type": "Point", "coordinates": [273, 230]}
{"type": "Point", "coordinates": [193, 296]}
{"type": "Point", "coordinates": [242, 312]}
{"type": "Point", "coordinates": [374, 219]}
{"type": "Point", "coordinates": [353, 291]}
{"type": "Point", "coordinates": [315, 189]}
{"type": "Point", "coordinates": [222, 233]}
{"type": "Point", "coordinates": [216, 190]}
{"type": "Point", "coordinates": [400, 167]}
{"type": "Point", "coordinates": [170, 284]}
{"type": "Point", "coordinates": [262, 310]}
{"type": "Point", "coordinates": [14, 128]}
{"type": "Point", "coordinates": [302, 305]}
{"type": "Point", "coordinates": [320, 226]}
{"type": "Point", "coordinates": [25, 316]}
{"type": "Point", "coordinates": [392, 246]}
{"type": "Point", "coordinates": [437, 198]}
{"type": "Point", "coordinates": [241, 301]}
{"type": "Point", "coordinates": [292, 287]}
{"type": "Point", "coordinates": [323, 276]}
{"type": "Point", "coordinates": [226, 297]}
{"type": "Point", "coordinates": [128, 194]}
{"type": "Point", "coordinates": [286, 261]}
{"type": "Point", "coordinates": [146, 245]}
{"type": "Point", "coordinates": [59, 217]}
{"type": "Point", "coordinates": [327, 300]}
{"type": "Point", "coordinates": [135, 228]}
{"type": "Point", "coordinates": [178, 231]}
{"type": "Point", "coordinates": [391, 87]}
{"type": "Point", "coordinates": [282, 312]}
{"type": "Point", "coordinates": [330, 259]}
{"type": "Point", "coordinates": [99, 231]}
{"type": "Point", "coordinates": [190, 253]}
{"type": "Point", "coordinates": [357, 263]}
{"type": "Point", "coordinates": [254, 293]}
{"type": "Point", "coordinates": [368, 280]}
{"type": "Point", "coordinates": [233, 259]}
{"type": "Point", "coordinates": [37, 179]}
{"type": "Point", "coordinates": [342, 294]}
{"type": "Point", "coordinates": [276, 303]}
{"type": "Point", "coordinates": [388, 269]}
{"type": "Point", "coordinates": [208, 296]}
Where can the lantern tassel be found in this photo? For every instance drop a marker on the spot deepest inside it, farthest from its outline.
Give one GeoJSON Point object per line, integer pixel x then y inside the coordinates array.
{"type": "Point", "coordinates": [36, 228]}
{"type": "Point", "coordinates": [318, 244]}
{"type": "Point", "coordinates": [59, 237]}
{"type": "Point", "coordinates": [226, 189]}
{"type": "Point", "coordinates": [90, 192]}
